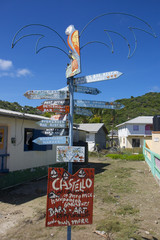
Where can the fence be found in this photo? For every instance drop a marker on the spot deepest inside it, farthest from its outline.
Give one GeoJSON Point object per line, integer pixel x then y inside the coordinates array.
{"type": "Point", "coordinates": [153, 160]}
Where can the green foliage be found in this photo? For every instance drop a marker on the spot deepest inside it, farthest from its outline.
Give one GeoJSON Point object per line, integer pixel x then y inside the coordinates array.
{"type": "Point", "coordinates": [137, 157]}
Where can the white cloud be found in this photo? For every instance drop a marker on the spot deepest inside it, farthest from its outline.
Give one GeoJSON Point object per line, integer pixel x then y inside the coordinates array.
{"type": "Point", "coordinates": [5, 64]}
{"type": "Point", "coordinates": [155, 89]}
{"type": "Point", "coordinates": [23, 72]}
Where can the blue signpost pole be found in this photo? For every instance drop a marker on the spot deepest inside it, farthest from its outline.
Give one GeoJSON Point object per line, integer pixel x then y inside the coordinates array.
{"type": "Point", "coordinates": [70, 136]}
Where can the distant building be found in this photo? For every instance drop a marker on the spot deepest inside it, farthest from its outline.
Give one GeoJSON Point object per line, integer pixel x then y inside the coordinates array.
{"type": "Point", "coordinates": [92, 133]}
{"type": "Point", "coordinates": [133, 132]}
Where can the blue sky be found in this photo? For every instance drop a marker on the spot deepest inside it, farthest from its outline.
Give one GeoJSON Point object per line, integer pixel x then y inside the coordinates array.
{"type": "Point", "coordinates": [21, 69]}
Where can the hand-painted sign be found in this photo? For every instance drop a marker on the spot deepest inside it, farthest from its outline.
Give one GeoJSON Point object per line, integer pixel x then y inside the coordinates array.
{"type": "Point", "coordinates": [51, 140]}
{"type": "Point", "coordinates": [70, 154]}
{"type": "Point", "coordinates": [81, 111]}
{"type": "Point", "coordinates": [47, 123]}
{"type": "Point", "coordinates": [73, 41]}
{"type": "Point", "coordinates": [87, 90]}
{"type": "Point", "coordinates": [98, 104]}
{"type": "Point", "coordinates": [46, 94]}
{"type": "Point", "coordinates": [59, 117]}
{"type": "Point", "coordinates": [56, 102]}
{"type": "Point", "coordinates": [56, 132]}
{"type": "Point", "coordinates": [54, 108]}
{"type": "Point", "coordinates": [69, 197]}
{"type": "Point", "coordinates": [97, 77]}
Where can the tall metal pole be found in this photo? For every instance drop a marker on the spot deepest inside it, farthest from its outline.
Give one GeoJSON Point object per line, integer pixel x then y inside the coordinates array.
{"type": "Point", "coordinates": [70, 137]}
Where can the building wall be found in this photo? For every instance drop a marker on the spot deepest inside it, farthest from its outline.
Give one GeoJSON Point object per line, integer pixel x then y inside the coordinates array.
{"type": "Point", "coordinates": [154, 144]}
{"type": "Point", "coordinates": [20, 159]}
{"type": "Point", "coordinates": [100, 138]}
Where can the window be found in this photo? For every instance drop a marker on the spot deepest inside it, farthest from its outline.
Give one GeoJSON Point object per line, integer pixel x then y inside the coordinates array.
{"type": "Point", "coordinates": [29, 135]}
{"type": "Point", "coordinates": [135, 142]}
{"type": "Point", "coordinates": [135, 128]}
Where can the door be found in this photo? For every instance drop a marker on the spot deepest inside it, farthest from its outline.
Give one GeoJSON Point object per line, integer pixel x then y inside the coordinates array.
{"type": "Point", "coordinates": [3, 146]}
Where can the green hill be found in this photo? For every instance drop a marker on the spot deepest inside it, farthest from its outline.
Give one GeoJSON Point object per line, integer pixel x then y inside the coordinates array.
{"type": "Point", "coordinates": [145, 105]}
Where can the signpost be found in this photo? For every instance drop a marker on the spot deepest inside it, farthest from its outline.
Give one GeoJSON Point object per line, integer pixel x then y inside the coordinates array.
{"type": "Point", "coordinates": [87, 90]}
{"type": "Point", "coordinates": [97, 77]}
{"type": "Point", "coordinates": [70, 154]}
{"type": "Point", "coordinates": [53, 123]}
{"type": "Point", "coordinates": [69, 197]}
{"type": "Point", "coordinates": [56, 102]}
{"type": "Point", "coordinates": [54, 108]}
{"type": "Point", "coordinates": [51, 140]}
{"type": "Point", "coordinates": [46, 94]}
{"type": "Point", "coordinates": [97, 104]}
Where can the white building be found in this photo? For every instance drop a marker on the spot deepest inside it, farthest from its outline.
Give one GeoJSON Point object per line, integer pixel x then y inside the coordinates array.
{"type": "Point", "coordinates": [133, 132]}
{"type": "Point", "coordinates": [92, 133]}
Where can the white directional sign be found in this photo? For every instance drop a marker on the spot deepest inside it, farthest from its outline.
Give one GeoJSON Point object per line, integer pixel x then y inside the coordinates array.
{"type": "Point", "coordinates": [53, 123]}
{"type": "Point", "coordinates": [87, 90]}
{"type": "Point", "coordinates": [97, 77]}
{"type": "Point", "coordinates": [70, 154]}
{"type": "Point", "coordinates": [52, 140]}
{"type": "Point", "coordinates": [56, 132]}
{"type": "Point", "coordinates": [46, 94]}
{"type": "Point", "coordinates": [81, 111]}
{"type": "Point", "coordinates": [97, 104]}
{"type": "Point", "coordinates": [56, 102]}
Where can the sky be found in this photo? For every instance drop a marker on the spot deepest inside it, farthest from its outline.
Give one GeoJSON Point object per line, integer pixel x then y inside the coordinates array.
{"type": "Point", "coordinates": [21, 69]}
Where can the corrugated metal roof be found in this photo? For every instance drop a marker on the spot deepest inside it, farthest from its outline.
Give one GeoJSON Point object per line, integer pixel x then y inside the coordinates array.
{"type": "Point", "coordinates": [90, 127]}
{"type": "Point", "coordinates": [9, 113]}
{"type": "Point", "coordinates": [139, 120]}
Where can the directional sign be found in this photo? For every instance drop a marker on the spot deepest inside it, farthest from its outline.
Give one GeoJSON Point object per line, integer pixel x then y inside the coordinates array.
{"type": "Point", "coordinates": [81, 111]}
{"type": "Point", "coordinates": [56, 102]}
{"type": "Point", "coordinates": [53, 123]}
{"type": "Point", "coordinates": [97, 77]}
{"type": "Point", "coordinates": [87, 90]}
{"type": "Point", "coordinates": [54, 108]}
{"type": "Point", "coordinates": [59, 117]}
{"type": "Point", "coordinates": [46, 94]}
{"type": "Point", "coordinates": [52, 140]}
{"type": "Point", "coordinates": [69, 197]}
{"type": "Point", "coordinates": [70, 154]}
{"type": "Point", "coordinates": [56, 132]}
{"type": "Point", "coordinates": [97, 104]}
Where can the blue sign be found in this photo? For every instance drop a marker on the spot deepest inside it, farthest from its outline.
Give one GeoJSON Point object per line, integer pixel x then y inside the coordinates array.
{"type": "Point", "coordinates": [81, 111]}
{"type": "Point", "coordinates": [97, 104]}
{"type": "Point", "coordinates": [46, 94]}
{"type": "Point", "coordinates": [51, 140]}
{"type": "Point", "coordinates": [87, 90]}
{"type": "Point", "coordinates": [53, 123]}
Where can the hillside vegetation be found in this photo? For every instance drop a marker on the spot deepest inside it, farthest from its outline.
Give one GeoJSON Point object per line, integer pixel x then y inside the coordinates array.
{"type": "Point", "coordinates": [145, 105]}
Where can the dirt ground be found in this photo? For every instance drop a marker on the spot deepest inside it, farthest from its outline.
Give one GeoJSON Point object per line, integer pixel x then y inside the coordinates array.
{"type": "Point", "coordinates": [22, 208]}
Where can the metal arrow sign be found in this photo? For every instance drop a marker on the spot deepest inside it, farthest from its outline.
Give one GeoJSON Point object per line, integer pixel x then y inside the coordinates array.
{"type": "Point", "coordinates": [97, 104]}
{"type": "Point", "coordinates": [56, 102]}
{"type": "Point", "coordinates": [52, 140]}
{"type": "Point", "coordinates": [87, 90]}
{"type": "Point", "coordinates": [81, 111]}
{"type": "Point", "coordinates": [53, 123]}
{"type": "Point", "coordinates": [54, 108]}
{"type": "Point", "coordinates": [46, 94]}
{"type": "Point", "coordinates": [97, 77]}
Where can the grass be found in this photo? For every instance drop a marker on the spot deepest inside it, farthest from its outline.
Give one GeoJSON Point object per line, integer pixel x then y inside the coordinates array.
{"type": "Point", "coordinates": [138, 157]}
{"type": "Point", "coordinates": [127, 210]}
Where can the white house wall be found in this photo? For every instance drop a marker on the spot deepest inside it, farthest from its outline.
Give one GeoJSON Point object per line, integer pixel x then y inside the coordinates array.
{"type": "Point", "coordinates": [20, 159]}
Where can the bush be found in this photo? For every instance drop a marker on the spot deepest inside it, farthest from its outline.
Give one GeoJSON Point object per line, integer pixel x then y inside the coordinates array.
{"type": "Point", "coordinates": [138, 157]}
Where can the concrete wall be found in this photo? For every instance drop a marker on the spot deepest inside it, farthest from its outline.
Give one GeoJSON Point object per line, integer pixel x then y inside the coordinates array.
{"type": "Point", "coordinates": [20, 159]}
{"type": "Point", "coordinates": [154, 144]}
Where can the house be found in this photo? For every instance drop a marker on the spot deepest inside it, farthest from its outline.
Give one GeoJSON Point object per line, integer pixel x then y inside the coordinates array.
{"type": "Point", "coordinates": [133, 132]}
{"type": "Point", "coordinates": [19, 156]}
{"type": "Point", "coordinates": [113, 138]}
{"type": "Point", "coordinates": [92, 133]}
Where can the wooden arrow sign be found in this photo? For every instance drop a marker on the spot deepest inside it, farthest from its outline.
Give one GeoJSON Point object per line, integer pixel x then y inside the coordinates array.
{"type": "Point", "coordinates": [97, 104]}
{"type": "Point", "coordinates": [97, 77]}
{"type": "Point", "coordinates": [52, 140]}
{"type": "Point", "coordinates": [87, 90]}
{"type": "Point", "coordinates": [54, 108]}
{"type": "Point", "coordinates": [47, 94]}
{"type": "Point", "coordinates": [53, 123]}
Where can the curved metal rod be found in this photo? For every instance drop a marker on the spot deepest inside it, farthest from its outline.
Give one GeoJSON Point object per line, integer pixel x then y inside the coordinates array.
{"type": "Point", "coordinates": [34, 24]}
{"type": "Point", "coordinates": [28, 35]}
{"type": "Point", "coordinates": [123, 38]}
{"type": "Point", "coordinates": [37, 51]}
{"type": "Point", "coordinates": [135, 39]}
{"type": "Point", "coordinates": [114, 13]}
{"type": "Point", "coordinates": [143, 30]}
{"type": "Point", "coordinates": [110, 41]}
{"type": "Point", "coordinates": [94, 42]}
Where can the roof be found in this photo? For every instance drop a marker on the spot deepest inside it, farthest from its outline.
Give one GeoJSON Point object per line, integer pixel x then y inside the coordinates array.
{"type": "Point", "coordinates": [9, 113]}
{"type": "Point", "coordinates": [90, 127]}
{"type": "Point", "coordinates": [139, 120]}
